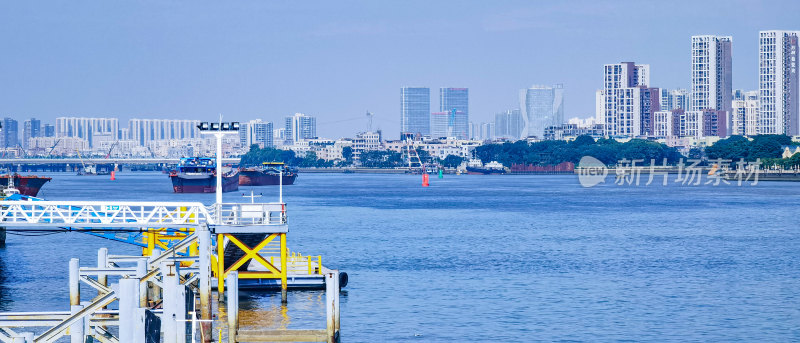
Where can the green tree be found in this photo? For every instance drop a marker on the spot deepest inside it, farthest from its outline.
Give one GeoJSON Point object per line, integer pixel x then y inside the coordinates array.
{"type": "Point", "coordinates": [347, 154]}
{"type": "Point", "coordinates": [452, 161]}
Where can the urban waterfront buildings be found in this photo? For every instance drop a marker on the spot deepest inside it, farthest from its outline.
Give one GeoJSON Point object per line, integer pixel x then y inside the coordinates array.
{"type": "Point", "coordinates": [415, 110]}
{"type": "Point", "coordinates": [299, 127]}
{"type": "Point", "coordinates": [452, 123]}
{"type": "Point", "coordinates": [778, 82]}
{"type": "Point", "coordinates": [540, 107]}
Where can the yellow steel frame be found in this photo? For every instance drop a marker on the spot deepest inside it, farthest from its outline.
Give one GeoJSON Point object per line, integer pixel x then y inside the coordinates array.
{"type": "Point", "coordinates": [161, 238]}
{"type": "Point", "coordinates": [272, 271]}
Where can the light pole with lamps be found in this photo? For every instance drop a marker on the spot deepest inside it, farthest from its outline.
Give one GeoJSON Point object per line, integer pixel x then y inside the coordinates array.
{"type": "Point", "coordinates": [219, 130]}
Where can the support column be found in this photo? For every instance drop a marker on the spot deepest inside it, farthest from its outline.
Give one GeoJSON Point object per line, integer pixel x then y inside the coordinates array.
{"type": "Point", "coordinates": [220, 266]}
{"type": "Point", "coordinates": [284, 270]}
{"type": "Point", "coordinates": [204, 254]}
{"type": "Point", "coordinates": [336, 288]}
{"type": "Point", "coordinates": [76, 331]}
{"type": "Point", "coordinates": [128, 310]}
{"type": "Point", "coordinates": [233, 306]}
{"type": "Point", "coordinates": [2, 236]}
{"type": "Point", "coordinates": [141, 271]}
{"type": "Point", "coordinates": [74, 282]}
{"type": "Point", "coordinates": [330, 327]}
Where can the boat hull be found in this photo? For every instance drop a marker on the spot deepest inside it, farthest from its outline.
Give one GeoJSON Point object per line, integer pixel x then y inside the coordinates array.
{"type": "Point", "coordinates": [484, 171]}
{"type": "Point", "coordinates": [206, 184]}
{"type": "Point", "coordinates": [261, 178]}
{"type": "Point", "coordinates": [27, 185]}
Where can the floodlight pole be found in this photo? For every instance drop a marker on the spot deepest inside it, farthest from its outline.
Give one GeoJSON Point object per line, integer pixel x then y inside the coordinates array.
{"type": "Point", "coordinates": [219, 166]}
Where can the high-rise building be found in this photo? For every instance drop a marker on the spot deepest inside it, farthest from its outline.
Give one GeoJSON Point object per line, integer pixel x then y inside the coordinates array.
{"type": "Point", "coordinates": [674, 99]}
{"type": "Point", "coordinates": [256, 132]}
{"type": "Point", "coordinates": [49, 130]}
{"type": "Point", "coordinates": [540, 107]}
{"type": "Point", "coordinates": [486, 131]}
{"type": "Point", "coordinates": [744, 113]}
{"type": "Point", "coordinates": [32, 128]}
{"type": "Point", "coordinates": [457, 99]}
{"type": "Point", "coordinates": [649, 103]}
{"type": "Point", "coordinates": [711, 73]}
{"type": "Point", "coordinates": [449, 124]}
{"type": "Point", "coordinates": [299, 127]}
{"type": "Point", "coordinates": [508, 124]}
{"type": "Point", "coordinates": [415, 110]}
{"type": "Point", "coordinates": [778, 82]}
{"type": "Point", "coordinates": [87, 128]}
{"type": "Point", "coordinates": [144, 131]}
{"type": "Point", "coordinates": [619, 103]}
{"type": "Point", "coordinates": [9, 135]}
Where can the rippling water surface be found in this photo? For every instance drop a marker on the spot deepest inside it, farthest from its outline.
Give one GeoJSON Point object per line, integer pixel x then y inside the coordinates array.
{"type": "Point", "coordinates": [494, 258]}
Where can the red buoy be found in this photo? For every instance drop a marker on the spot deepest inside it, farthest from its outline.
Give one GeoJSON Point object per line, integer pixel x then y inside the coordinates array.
{"type": "Point", "coordinates": [113, 176]}
{"type": "Point", "coordinates": [425, 180]}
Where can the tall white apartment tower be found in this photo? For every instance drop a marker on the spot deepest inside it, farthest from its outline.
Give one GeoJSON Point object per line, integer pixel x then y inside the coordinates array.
{"type": "Point", "coordinates": [619, 102]}
{"type": "Point", "coordinates": [711, 73]}
{"type": "Point", "coordinates": [778, 82]}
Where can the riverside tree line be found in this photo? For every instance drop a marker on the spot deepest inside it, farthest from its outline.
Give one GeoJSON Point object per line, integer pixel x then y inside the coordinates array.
{"type": "Point", "coordinates": [767, 148]}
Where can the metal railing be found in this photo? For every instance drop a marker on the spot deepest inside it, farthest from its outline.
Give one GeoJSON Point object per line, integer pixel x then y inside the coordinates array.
{"type": "Point", "coordinates": [249, 213]}
{"type": "Point", "coordinates": [117, 214]}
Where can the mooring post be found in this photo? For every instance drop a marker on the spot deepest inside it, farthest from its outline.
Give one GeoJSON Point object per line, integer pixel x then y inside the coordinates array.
{"type": "Point", "coordinates": [128, 314]}
{"type": "Point", "coordinates": [2, 236]}
{"type": "Point", "coordinates": [74, 282]}
{"type": "Point", "coordinates": [76, 331]}
{"type": "Point", "coordinates": [102, 262]}
{"type": "Point", "coordinates": [233, 305]}
{"type": "Point", "coordinates": [174, 303]}
{"type": "Point", "coordinates": [330, 327]}
{"type": "Point", "coordinates": [204, 254]}
{"type": "Point", "coordinates": [141, 271]}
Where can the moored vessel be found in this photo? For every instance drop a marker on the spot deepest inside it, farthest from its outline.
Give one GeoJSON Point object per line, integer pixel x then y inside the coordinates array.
{"type": "Point", "coordinates": [270, 173]}
{"type": "Point", "coordinates": [26, 184]}
{"type": "Point", "coordinates": [476, 167]}
{"type": "Point", "coordinates": [198, 175]}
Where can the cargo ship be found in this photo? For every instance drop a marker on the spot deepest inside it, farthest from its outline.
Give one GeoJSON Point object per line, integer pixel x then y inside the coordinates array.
{"type": "Point", "coordinates": [475, 167]}
{"type": "Point", "coordinates": [268, 174]}
{"type": "Point", "coordinates": [198, 175]}
{"type": "Point", "coordinates": [27, 185]}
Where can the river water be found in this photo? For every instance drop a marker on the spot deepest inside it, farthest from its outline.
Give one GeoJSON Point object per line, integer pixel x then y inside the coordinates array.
{"type": "Point", "coordinates": [493, 258]}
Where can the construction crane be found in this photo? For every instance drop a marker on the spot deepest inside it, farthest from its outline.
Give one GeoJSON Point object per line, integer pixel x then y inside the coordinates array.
{"type": "Point", "coordinates": [108, 155]}
{"type": "Point", "coordinates": [369, 121]}
{"type": "Point", "coordinates": [53, 147]}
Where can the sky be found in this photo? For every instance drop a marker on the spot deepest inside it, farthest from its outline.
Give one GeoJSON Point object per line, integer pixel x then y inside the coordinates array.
{"type": "Point", "coordinates": [338, 59]}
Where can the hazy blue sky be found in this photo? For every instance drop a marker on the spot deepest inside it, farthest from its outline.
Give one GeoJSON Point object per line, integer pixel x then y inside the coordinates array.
{"type": "Point", "coordinates": [337, 59]}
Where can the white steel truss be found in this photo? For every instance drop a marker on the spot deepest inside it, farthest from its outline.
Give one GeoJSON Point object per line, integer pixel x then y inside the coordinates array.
{"type": "Point", "coordinates": [115, 214]}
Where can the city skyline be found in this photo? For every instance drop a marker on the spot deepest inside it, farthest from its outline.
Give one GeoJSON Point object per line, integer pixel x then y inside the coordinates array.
{"type": "Point", "coordinates": [142, 65]}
